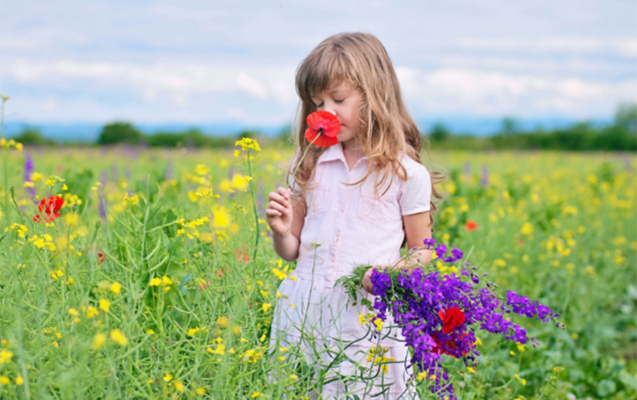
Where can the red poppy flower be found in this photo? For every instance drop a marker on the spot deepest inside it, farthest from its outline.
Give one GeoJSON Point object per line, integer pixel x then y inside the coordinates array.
{"type": "Point", "coordinates": [471, 225]}
{"type": "Point", "coordinates": [242, 255]}
{"type": "Point", "coordinates": [101, 257]}
{"type": "Point", "coordinates": [451, 318]}
{"type": "Point", "coordinates": [50, 206]}
{"type": "Point", "coordinates": [322, 126]}
{"type": "Point", "coordinates": [450, 344]}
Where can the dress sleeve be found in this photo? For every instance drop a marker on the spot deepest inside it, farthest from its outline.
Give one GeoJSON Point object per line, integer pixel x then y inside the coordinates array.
{"type": "Point", "coordinates": [416, 191]}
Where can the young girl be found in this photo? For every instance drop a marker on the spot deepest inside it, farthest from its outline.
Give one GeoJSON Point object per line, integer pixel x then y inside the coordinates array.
{"type": "Point", "coordinates": [351, 204]}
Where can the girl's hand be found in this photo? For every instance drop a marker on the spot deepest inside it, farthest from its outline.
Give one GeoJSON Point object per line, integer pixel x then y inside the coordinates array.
{"type": "Point", "coordinates": [367, 281]}
{"type": "Point", "coordinates": [279, 212]}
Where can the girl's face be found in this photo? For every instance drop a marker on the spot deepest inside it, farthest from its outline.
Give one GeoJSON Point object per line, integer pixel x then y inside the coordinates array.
{"type": "Point", "coordinates": [343, 101]}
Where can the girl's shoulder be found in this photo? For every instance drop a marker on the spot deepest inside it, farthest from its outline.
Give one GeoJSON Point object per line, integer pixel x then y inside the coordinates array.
{"type": "Point", "coordinates": [413, 168]}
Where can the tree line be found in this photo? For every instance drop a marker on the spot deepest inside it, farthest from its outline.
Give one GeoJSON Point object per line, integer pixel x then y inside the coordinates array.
{"type": "Point", "coordinates": [620, 135]}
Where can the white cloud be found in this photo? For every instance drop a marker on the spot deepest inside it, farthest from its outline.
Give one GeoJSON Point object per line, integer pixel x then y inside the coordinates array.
{"type": "Point", "coordinates": [449, 91]}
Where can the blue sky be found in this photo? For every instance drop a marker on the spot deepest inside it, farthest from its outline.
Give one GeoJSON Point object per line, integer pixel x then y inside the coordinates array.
{"type": "Point", "coordinates": [203, 62]}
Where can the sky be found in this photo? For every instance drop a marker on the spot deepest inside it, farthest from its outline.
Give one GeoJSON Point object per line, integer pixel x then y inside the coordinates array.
{"type": "Point", "coordinates": [199, 62]}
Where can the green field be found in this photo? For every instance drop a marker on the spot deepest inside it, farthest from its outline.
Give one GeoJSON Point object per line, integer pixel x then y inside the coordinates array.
{"type": "Point", "coordinates": [180, 307]}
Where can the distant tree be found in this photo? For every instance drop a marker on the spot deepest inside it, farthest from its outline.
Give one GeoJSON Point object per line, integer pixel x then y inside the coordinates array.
{"type": "Point", "coordinates": [33, 137]}
{"type": "Point", "coordinates": [509, 127]}
{"type": "Point", "coordinates": [248, 134]}
{"type": "Point", "coordinates": [439, 133]}
{"type": "Point", "coordinates": [626, 117]}
{"type": "Point", "coordinates": [119, 132]}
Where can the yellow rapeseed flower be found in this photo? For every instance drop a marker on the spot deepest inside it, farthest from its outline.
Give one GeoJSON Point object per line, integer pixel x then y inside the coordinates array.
{"type": "Point", "coordinates": [119, 337]}
{"type": "Point", "coordinates": [179, 386]}
{"type": "Point", "coordinates": [167, 377]}
{"type": "Point", "coordinates": [116, 287]}
{"type": "Point", "coordinates": [5, 356]}
{"type": "Point", "coordinates": [222, 321]}
{"type": "Point", "coordinates": [105, 305]}
{"type": "Point", "coordinates": [99, 340]}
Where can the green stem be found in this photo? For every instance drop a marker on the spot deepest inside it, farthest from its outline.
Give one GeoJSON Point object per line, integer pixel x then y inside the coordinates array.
{"type": "Point", "coordinates": [254, 207]}
{"type": "Point", "coordinates": [305, 153]}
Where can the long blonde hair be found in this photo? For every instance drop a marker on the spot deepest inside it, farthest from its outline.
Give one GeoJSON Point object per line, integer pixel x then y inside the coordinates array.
{"type": "Point", "coordinates": [386, 128]}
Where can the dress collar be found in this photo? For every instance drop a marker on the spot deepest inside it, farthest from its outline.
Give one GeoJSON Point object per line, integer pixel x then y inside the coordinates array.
{"type": "Point", "coordinates": [335, 152]}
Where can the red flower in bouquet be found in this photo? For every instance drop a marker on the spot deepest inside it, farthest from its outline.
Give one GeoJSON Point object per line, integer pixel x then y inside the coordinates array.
{"type": "Point", "coordinates": [451, 344]}
{"type": "Point", "coordinates": [451, 318]}
{"type": "Point", "coordinates": [50, 207]}
{"type": "Point", "coordinates": [322, 128]}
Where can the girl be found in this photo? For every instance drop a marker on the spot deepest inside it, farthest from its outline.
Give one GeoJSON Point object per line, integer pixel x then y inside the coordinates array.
{"type": "Point", "coordinates": [350, 204]}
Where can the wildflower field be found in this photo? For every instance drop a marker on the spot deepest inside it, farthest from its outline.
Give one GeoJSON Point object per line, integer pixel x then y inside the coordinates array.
{"type": "Point", "coordinates": [156, 278]}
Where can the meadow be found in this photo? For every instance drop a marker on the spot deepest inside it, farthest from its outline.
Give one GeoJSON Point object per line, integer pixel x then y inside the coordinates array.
{"type": "Point", "coordinates": [158, 279]}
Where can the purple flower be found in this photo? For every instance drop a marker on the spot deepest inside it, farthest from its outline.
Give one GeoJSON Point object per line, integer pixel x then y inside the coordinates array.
{"type": "Point", "coordinates": [381, 282]}
{"type": "Point", "coordinates": [415, 298]}
{"type": "Point", "coordinates": [429, 243]}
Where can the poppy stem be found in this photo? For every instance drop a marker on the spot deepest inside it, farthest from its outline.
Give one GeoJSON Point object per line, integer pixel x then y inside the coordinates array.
{"type": "Point", "coordinates": [305, 153]}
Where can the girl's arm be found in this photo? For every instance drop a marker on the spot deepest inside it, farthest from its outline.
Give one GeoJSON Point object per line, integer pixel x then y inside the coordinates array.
{"type": "Point", "coordinates": [286, 217]}
{"type": "Point", "coordinates": [417, 229]}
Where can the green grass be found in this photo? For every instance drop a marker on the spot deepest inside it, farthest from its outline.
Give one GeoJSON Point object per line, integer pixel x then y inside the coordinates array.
{"type": "Point", "coordinates": [558, 227]}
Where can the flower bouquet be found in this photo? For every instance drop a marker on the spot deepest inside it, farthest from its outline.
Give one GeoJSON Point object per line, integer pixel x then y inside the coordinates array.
{"type": "Point", "coordinates": [439, 313]}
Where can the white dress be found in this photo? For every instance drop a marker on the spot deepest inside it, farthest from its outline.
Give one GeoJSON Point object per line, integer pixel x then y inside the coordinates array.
{"type": "Point", "coordinates": [353, 228]}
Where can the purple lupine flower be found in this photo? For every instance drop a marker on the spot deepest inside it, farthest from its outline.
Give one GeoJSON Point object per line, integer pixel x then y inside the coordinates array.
{"type": "Point", "coordinates": [28, 170]}
{"type": "Point", "coordinates": [484, 179]}
{"type": "Point", "coordinates": [102, 207]}
{"type": "Point", "coordinates": [104, 177]}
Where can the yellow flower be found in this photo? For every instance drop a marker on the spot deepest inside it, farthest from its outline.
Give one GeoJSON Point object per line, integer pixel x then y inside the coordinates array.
{"type": "Point", "coordinates": [236, 329]}
{"type": "Point", "coordinates": [155, 282]}
{"type": "Point", "coordinates": [200, 391]}
{"type": "Point", "coordinates": [279, 274]}
{"type": "Point", "coordinates": [226, 186]}
{"type": "Point", "coordinates": [222, 321]}
{"type": "Point", "coordinates": [5, 356]}
{"type": "Point", "coordinates": [201, 169]}
{"type": "Point", "coordinates": [179, 386]}
{"type": "Point", "coordinates": [248, 143]}
{"type": "Point", "coordinates": [167, 377]}
{"type": "Point", "coordinates": [266, 307]}
{"type": "Point", "coordinates": [119, 337]}
{"type": "Point", "coordinates": [99, 341]}
{"type": "Point", "coordinates": [105, 305]}
{"type": "Point", "coordinates": [220, 217]}
{"type": "Point", "coordinates": [240, 181]}
{"type": "Point", "coordinates": [91, 312]}
{"type": "Point", "coordinates": [527, 229]}
{"type": "Point", "coordinates": [73, 312]}
{"type": "Point", "coordinates": [192, 331]}
{"type": "Point", "coordinates": [4, 380]}
{"type": "Point", "coordinates": [379, 324]}
{"type": "Point", "coordinates": [116, 287]}
{"type": "Point", "coordinates": [19, 380]}
{"type": "Point", "coordinates": [255, 395]}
